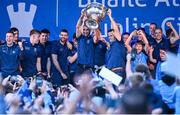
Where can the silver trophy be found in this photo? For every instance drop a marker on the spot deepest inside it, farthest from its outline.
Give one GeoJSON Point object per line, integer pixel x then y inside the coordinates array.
{"type": "Point", "coordinates": [95, 13]}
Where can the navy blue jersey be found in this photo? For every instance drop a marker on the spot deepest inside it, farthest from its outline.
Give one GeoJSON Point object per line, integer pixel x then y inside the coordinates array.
{"type": "Point", "coordinates": [163, 44]}
{"type": "Point", "coordinates": [29, 61]}
{"type": "Point", "coordinates": [85, 50]}
{"type": "Point", "coordinates": [116, 55]}
{"type": "Point", "coordinates": [150, 39]}
{"type": "Point", "coordinates": [62, 53]}
{"type": "Point", "coordinates": [99, 53]}
{"type": "Point", "coordinates": [45, 54]}
{"type": "Point", "coordinates": [9, 60]}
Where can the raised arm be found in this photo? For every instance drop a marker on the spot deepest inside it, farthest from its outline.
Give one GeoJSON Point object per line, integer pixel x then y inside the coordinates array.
{"type": "Point", "coordinates": [146, 48]}
{"type": "Point", "coordinates": [96, 36]}
{"type": "Point", "coordinates": [169, 24]}
{"type": "Point", "coordinates": [80, 24]}
{"type": "Point", "coordinates": [127, 43]}
{"type": "Point", "coordinates": [117, 33]}
{"type": "Point", "coordinates": [151, 49]}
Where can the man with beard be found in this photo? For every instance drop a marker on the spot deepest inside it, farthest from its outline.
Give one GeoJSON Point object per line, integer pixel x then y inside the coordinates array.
{"type": "Point", "coordinates": [86, 44]}
{"type": "Point", "coordinates": [59, 53]}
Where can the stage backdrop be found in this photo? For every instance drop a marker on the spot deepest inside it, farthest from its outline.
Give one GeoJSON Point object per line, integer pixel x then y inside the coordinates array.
{"type": "Point", "coordinates": [57, 14]}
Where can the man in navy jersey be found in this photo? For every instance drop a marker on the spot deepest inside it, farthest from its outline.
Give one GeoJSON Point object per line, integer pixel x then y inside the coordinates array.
{"type": "Point", "coordinates": [116, 54]}
{"type": "Point", "coordinates": [31, 61]}
{"type": "Point", "coordinates": [60, 52]}
{"type": "Point", "coordinates": [159, 43]}
{"type": "Point", "coordinates": [45, 46]}
{"type": "Point", "coordinates": [99, 55]}
{"type": "Point", "coordinates": [154, 51]}
{"type": "Point", "coordinates": [86, 45]}
{"type": "Point", "coordinates": [100, 52]}
{"type": "Point", "coordinates": [10, 55]}
{"type": "Point", "coordinates": [72, 59]}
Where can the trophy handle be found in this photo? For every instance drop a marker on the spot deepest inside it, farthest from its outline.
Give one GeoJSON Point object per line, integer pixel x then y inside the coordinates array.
{"type": "Point", "coordinates": [106, 10]}
{"type": "Point", "coordinates": [83, 11]}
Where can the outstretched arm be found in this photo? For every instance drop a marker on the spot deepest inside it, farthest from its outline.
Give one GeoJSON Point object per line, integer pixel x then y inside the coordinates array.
{"type": "Point", "coordinates": [151, 49]}
{"type": "Point", "coordinates": [169, 24]}
{"type": "Point", "coordinates": [145, 41]}
{"type": "Point", "coordinates": [80, 24]}
{"type": "Point", "coordinates": [117, 33]}
{"type": "Point", "coordinates": [128, 41]}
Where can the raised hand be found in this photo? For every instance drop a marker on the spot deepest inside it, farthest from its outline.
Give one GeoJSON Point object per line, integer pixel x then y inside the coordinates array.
{"type": "Point", "coordinates": [169, 24]}
{"type": "Point", "coordinates": [141, 32]}
{"type": "Point", "coordinates": [134, 33]}
{"type": "Point", "coordinates": [151, 49]}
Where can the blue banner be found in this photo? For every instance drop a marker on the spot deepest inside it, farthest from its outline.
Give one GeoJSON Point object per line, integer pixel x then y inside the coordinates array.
{"type": "Point", "coordinates": [57, 14]}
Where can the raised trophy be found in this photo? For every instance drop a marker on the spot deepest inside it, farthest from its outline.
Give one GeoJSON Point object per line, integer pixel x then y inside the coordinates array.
{"type": "Point", "coordinates": [95, 13]}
